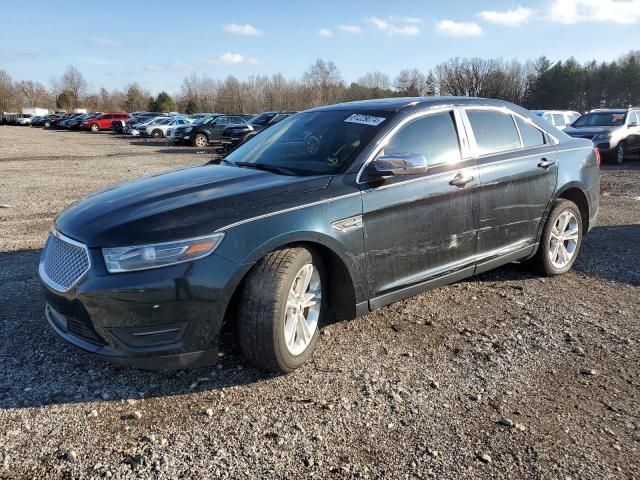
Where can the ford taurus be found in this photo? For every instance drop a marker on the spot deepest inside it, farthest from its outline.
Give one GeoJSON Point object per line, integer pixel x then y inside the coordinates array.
{"type": "Point", "coordinates": [332, 212]}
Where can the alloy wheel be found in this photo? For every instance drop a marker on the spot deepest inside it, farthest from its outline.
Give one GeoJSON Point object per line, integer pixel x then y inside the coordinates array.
{"type": "Point", "coordinates": [201, 141]}
{"type": "Point", "coordinates": [303, 309]}
{"type": "Point", "coordinates": [620, 154]}
{"type": "Point", "coordinates": [563, 241]}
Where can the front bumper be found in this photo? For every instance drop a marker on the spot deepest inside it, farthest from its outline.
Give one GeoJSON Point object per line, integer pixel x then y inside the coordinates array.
{"type": "Point", "coordinates": [163, 318]}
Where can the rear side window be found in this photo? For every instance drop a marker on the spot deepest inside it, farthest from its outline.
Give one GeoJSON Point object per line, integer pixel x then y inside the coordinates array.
{"type": "Point", "coordinates": [434, 136]}
{"type": "Point", "coordinates": [531, 136]}
{"type": "Point", "coordinates": [494, 131]}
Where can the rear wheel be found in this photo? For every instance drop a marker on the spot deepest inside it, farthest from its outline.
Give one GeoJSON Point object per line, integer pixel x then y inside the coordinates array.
{"type": "Point", "coordinates": [619, 154]}
{"type": "Point", "coordinates": [561, 239]}
{"type": "Point", "coordinates": [281, 308]}
{"type": "Point", "coordinates": [200, 140]}
{"type": "Point", "coordinates": [95, 127]}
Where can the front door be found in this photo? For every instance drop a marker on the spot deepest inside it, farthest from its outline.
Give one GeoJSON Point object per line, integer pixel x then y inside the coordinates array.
{"type": "Point", "coordinates": [418, 227]}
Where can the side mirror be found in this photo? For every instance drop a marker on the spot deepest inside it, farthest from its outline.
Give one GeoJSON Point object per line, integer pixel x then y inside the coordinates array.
{"type": "Point", "coordinates": [398, 164]}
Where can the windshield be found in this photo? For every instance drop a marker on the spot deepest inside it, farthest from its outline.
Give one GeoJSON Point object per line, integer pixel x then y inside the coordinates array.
{"type": "Point", "coordinates": [204, 120]}
{"type": "Point", "coordinates": [601, 119]}
{"type": "Point", "coordinates": [312, 143]}
{"type": "Point", "coordinates": [262, 119]}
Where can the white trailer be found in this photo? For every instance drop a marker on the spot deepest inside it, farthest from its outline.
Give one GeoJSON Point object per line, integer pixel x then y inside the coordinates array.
{"type": "Point", "coordinates": [35, 112]}
{"type": "Point", "coordinates": [79, 110]}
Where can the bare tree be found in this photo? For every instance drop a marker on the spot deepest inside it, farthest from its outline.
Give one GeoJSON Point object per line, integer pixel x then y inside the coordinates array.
{"type": "Point", "coordinates": [411, 83]}
{"type": "Point", "coordinates": [34, 94]}
{"type": "Point", "coordinates": [375, 80]}
{"type": "Point", "coordinates": [7, 92]}
{"type": "Point", "coordinates": [323, 82]}
{"type": "Point", "coordinates": [73, 82]}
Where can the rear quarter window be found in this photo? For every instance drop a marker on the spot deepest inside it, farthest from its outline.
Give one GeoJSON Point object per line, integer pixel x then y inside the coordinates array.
{"type": "Point", "coordinates": [531, 136]}
{"type": "Point", "coordinates": [494, 131]}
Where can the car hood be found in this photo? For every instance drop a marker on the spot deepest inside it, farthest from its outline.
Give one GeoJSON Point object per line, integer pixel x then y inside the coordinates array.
{"type": "Point", "coordinates": [183, 203]}
{"type": "Point", "coordinates": [588, 131]}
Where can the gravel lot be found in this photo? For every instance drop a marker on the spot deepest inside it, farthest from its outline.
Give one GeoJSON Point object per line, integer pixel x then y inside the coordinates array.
{"type": "Point", "coordinates": [507, 375]}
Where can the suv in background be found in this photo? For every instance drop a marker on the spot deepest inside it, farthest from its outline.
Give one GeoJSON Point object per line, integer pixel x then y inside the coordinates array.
{"type": "Point", "coordinates": [614, 132]}
{"type": "Point", "coordinates": [234, 134]}
{"type": "Point", "coordinates": [560, 119]}
{"type": "Point", "coordinates": [104, 121]}
{"type": "Point", "coordinates": [208, 130]}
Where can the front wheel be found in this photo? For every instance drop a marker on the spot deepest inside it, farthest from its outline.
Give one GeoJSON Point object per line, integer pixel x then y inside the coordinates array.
{"type": "Point", "coordinates": [561, 239]}
{"type": "Point", "coordinates": [157, 133]}
{"type": "Point", "coordinates": [200, 140]}
{"type": "Point", "coordinates": [95, 127]}
{"type": "Point", "coordinates": [282, 305]}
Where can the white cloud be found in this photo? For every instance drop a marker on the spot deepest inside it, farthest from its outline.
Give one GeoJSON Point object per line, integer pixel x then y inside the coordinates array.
{"type": "Point", "coordinates": [450, 28]}
{"type": "Point", "coordinates": [245, 29]}
{"type": "Point", "coordinates": [355, 29]}
{"type": "Point", "coordinates": [105, 42]}
{"type": "Point", "coordinates": [230, 58]}
{"type": "Point", "coordinates": [616, 11]}
{"type": "Point", "coordinates": [396, 25]}
{"type": "Point", "coordinates": [325, 32]}
{"type": "Point", "coordinates": [509, 18]}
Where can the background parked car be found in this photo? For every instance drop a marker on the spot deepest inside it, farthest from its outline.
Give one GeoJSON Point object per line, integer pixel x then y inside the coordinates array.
{"type": "Point", "coordinates": [158, 129]}
{"type": "Point", "coordinates": [235, 134]}
{"type": "Point", "coordinates": [209, 130]}
{"type": "Point", "coordinates": [560, 119]}
{"type": "Point", "coordinates": [24, 119]}
{"type": "Point", "coordinates": [103, 122]}
{"type": "Point", "coordinates": [136, 128]}
{"type": "Point", "coordinates": [614, 132]}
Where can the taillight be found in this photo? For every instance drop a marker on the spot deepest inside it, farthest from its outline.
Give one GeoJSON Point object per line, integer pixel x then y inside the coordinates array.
{"type": "Point", "coordinates": [598, 156]}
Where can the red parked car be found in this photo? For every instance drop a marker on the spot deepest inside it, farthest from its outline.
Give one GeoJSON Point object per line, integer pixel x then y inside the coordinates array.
{"type": "Point", "coordinates": [103, 122]}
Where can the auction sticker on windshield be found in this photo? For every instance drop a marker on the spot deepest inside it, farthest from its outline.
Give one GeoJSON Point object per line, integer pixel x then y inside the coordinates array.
{"type": "Point", "coordinates": [365, 119]}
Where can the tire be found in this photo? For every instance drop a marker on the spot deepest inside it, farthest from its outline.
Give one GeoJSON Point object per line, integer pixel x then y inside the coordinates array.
{"type": "Point", "coordinates": [47, 124]}
{"type": "Point", "coordinates": [95, 127]}
{"type": "Point", "coordinates": [550, 244]}
{"type": "Point", "coordinates": [265, 311]}
{"type": "Point", "coordinates": [618, 154]}
{"type": "Point", "coordinates": [200, 140]}
{"type": "Point", "coordinates": [157, 133]}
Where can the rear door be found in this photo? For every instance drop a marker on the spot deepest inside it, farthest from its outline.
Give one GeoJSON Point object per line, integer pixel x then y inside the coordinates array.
{"type": "Point", "coordinates": [518, 170]}
{"type": "Point", "coordinates": [419, 227]}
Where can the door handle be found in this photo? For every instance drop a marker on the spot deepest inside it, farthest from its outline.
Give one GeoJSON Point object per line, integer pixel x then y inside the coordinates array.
{"type": "Point", "coordinates": [460, 180]}
{"type": "Point", "coordinates": [544, 163]}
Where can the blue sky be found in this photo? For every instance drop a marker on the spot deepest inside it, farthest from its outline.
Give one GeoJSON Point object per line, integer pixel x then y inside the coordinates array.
{"type": "Point", "coordinates": [158, 43]}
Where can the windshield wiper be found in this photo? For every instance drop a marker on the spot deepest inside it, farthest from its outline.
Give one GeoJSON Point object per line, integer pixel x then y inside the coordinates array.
{"type": "Point", "coordinates": [263, 166]}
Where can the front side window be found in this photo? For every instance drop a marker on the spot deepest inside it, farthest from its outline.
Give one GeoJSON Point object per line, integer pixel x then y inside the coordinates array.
{"type": "Point", "coordinates": [633, 118]}
{"type": "Point", "coordinates": [222, 121]}
{"type": "Point", "coordinates": [494, 131]}
{"type": "Point", "coordinates": [558, 120]}
{"type": "Point", "coordinates": [312, 143]}
{"type": "Point", "coordinates": [434, 137]}
{"type": "Point", "coordinates": [531, 136]}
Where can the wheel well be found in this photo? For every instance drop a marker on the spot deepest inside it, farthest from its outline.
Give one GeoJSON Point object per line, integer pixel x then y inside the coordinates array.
{"type": "Point", "coordinates": [342, 296]}
{"type": "Point", "coordinates": [576, 196]}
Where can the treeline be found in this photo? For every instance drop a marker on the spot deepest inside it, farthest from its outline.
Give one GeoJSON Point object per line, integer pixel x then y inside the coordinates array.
{"type": "Point", "coordinates": [539, 84]}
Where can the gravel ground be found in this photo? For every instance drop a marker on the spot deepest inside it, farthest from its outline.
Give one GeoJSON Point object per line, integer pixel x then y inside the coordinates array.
{"type": "Point", "coordinates": [507, 375]}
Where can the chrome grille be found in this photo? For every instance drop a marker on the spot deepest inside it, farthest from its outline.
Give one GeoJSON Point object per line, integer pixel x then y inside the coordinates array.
{"type": "Point", "coordinates": [63, 262]}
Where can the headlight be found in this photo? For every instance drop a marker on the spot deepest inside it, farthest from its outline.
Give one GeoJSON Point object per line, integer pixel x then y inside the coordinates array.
{"type": "Point", "coordinates": [188, 129]}
{"type": "Point", "coordinates": [602, 136]}
{"type": "Point", "coordinates": [142, 257]}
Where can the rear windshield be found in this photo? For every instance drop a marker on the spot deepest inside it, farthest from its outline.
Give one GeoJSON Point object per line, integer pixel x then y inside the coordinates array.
{"type": "Point", "coordinates": [601, 119]}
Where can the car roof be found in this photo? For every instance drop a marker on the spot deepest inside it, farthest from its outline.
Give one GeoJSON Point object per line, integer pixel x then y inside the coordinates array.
{"type": "Point", "coordinates": [402, 103]}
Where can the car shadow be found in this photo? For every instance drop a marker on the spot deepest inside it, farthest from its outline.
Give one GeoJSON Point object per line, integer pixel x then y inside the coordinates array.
{"type": "Point", "coordinates": [39, 368]}
{"type": "Point", "coordinates": [608, 252]}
